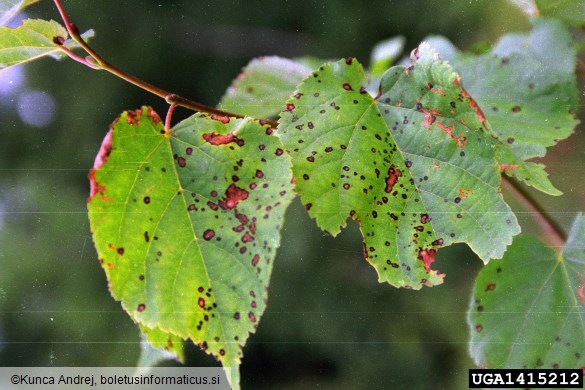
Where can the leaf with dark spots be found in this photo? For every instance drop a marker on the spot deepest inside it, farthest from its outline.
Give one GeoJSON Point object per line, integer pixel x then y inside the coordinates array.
{"type": "Point", "coordinates": [527, 89]}
{"type": "Point", "coordinates": [33, 39]}
{"type": "Point", "coordinates": [409, 151]}
{"type": "Point", "coordinates": [263, 86]}
{"type": "Point", "coordinates": [528, 310]}
{"type": "Point", "coordinates": [170, 257]}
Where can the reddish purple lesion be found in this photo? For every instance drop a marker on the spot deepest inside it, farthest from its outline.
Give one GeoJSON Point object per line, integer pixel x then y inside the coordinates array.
{"type": "Point", "coordinates": [427, 256]}
{"type": "Point", "coordinates": [222, 139]}
{"type": "Point", "coordinates": [233, 196]}
{"type": "Point", "coordinates": [472, 103]}
{"type": "Point", "coordinates": [100, 160]}
{"type": "Point", "coordinates": [393, 175]}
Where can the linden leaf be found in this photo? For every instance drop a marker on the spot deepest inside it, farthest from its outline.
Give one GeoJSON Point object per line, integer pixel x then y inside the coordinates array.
{"type": "Point", "coordinates": [415, 167]}
{"type": "Point", "coordinates": [10, 8]}
{"type": "Point", "coordinates": [384, 54]}
{"type": "Point", "coordinates": [526, 88]}
{"type": "Point", "coordinates": [34, 39]}
{"type": "Point", "coordinates": [31, 40]}
{"type": "Point", "coordinates": [569, 11]}
{"type": "Point", "coordinates": [186, 224]}
{"type": "Point", "coordinates": [262, 87]}
{"type": "Point", "coordinates": [160, 346]}
{"type": "Point", "coordinates": [528, 309]}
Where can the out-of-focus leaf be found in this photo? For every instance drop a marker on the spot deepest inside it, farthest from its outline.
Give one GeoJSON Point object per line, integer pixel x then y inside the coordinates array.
{"type": "Point", "coordinates": [526, 89]}
{"type": "Point", "coordinates": [415, 167]}
{"type": "Point", "coordinates": [574, 250]}
{"type": "Point", "coordinates": [569, 11]}
{"type": "Point", "coordinates": [263, 86]}
{"type": "Point", "coordinates": [159, 346]}
{"type": "Point", "coordinates": [384, 54]}
{"type": "Point", "coordinates": [528, 309]}
{"type": "Point", "coordinates": [10, 8]}
{"type": "Point", "coordinates": [186, 224]}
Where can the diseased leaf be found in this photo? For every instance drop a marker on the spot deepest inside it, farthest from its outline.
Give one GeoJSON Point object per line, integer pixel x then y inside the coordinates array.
{"type": "Point", "coordinates": [187, 223]}
{"type": "Point", "coordinates": [10, 8]}
{"type": "Point", "coordinates": [569, 11]}
{"type": "Point", "coordinates": [415, 167]}
{"type": "Point", "coordinates": [526, 88]}
{"type": "Point", "coordinates": [262, 87]}
{"type": "Point", "coordinates": [31, 40]}
{"type": "Point", "coordinates": [528, 309]}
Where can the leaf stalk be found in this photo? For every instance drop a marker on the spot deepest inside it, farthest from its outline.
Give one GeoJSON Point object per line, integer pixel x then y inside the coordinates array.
{"type": "Point", "coordinates": [169, 97]}
{"type": "Point", "coordinates": [553, 234]}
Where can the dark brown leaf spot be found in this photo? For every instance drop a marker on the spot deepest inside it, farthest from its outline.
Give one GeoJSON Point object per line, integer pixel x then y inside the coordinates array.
{"type": "Point", "coordinates": [208, 234]}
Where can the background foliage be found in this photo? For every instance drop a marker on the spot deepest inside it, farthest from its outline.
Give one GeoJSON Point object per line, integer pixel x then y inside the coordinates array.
{"type": "Point", "coordinates": [328, 322]}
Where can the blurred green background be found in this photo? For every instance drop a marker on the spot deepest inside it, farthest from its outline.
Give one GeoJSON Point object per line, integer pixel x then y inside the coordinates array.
{"type": "Point", "coordinates": [329, 323]}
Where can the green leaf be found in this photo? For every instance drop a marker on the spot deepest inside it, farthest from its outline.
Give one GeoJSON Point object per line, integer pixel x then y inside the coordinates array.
{"type": "Point", "coordinates": [415, 167]}
{"type": "Point", "coordinates": [262, 87]}
{"type": "Point", "coordinates": [10, 8]}
{"type": "Point", "coordinates": [186, 224]}
{"type": "Point", "coordinates": [384, 54]}
{"type": "Point", "coordinates": [31, 40]}
{"type": "Point", "coordinates": [159, 346]}
{"type": "Point", "coordinates": [528, 309]}
{"type": "Point", "coordinates": [527, 91]}
{"type": "Point", "coordinates": [574, 250]}
{"type": "Point", "coordinates": [569, 11]}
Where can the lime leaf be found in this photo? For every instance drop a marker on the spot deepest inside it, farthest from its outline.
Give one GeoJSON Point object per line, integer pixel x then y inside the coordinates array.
{"type": "Point", "coordinates": [159, 346]}
{"type": "Point", "coordinates": [384, 54]}
{"type": "Point", "coordinates": [574, 251]}
{"type": "Point", "coordinates": [186, 224]}
{"type": "Point", "coordinates": [10, 8]}
{"type": "Point", "coordinates": [415, 167]}
{"type": "Point", "coordinates": [569, 11]}
{"type": "Point", "coordinates": [528, 309]}
{"type": "Point", "coordinates": [527, 90]}
{"type": "Point", "coordinates": [262, 87]}
{"type": "Point", "coordinates": [31, 40]}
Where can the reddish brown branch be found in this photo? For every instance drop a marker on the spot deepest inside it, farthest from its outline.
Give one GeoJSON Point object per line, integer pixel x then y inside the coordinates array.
{"type": "Point", "coordinates": [171, 98]}
{"type": "Point", "coordinates": [553, 234]}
